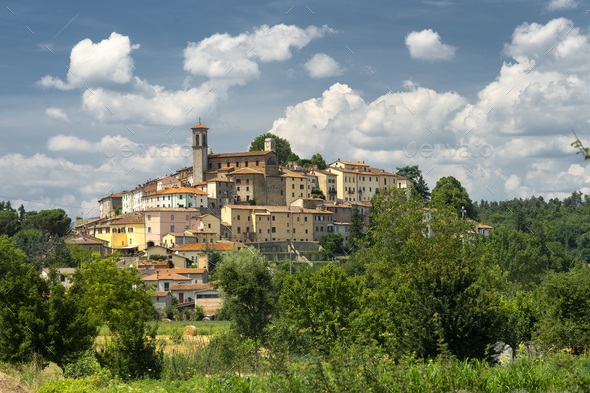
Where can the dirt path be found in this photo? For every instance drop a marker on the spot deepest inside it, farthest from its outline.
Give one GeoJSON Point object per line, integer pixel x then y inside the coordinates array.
{"type": "Point", "coordinates": [9, 385]}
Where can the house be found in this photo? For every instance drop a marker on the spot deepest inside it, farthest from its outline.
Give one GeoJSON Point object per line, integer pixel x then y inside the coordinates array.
{"type": "Point", "coordinates": [211, 222]}
{"type": "Point", "coordinates": [204, 295]}
{"type": "Point", "coordinates": [173, 259]}
{"type": "Point", "coordinates": [65, 275]}
{"type": "Point", "coordinates": [197, 252]}
{"type": "Point", "coordinates": [163, 220]}
{"type": "Point", "coordinates": [124, 233]}
{"type": "Point", "coordinates": [165, 280]}
{"type": "Point", "coordinates": [89, 243]}
{"type": "Point", "coordinates": [484, 230]}
{"type": "Point", "coordinates": [109, 204]}
{"type": "Point", "coordinates": [162, 299]}
{"type": "Point", "coordinates": [181, 197]}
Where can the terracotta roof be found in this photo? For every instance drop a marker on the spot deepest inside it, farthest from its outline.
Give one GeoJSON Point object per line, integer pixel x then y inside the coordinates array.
{"type": "Point", "coordinates": [166, 276]}
{"type": "Point", "coordinates": [168, 180]}
{"type": "Point", "coordinates": [483, 226]}
{"type": "Point", "coordinates": [181, 234]}
{"type": "Point", "coordinates": [325, 172]}
{"type": "Point", "coordinates": [115, 195]}
{"type": "Point", "coordinates": [362, 203]}
{"type": "Point", "coordinates": [242, 154]}
{"type": "Point", "coordinates": [244, 171]}
{"type": "Point", "coordinates": [275, 209]}
{"type": "Point", "coordinates": [200, 126]}
{"type": "Point", "coordinates": [203, 246]}
{"type": "Point", "coordinates": [203, 183]}
{"type": "Point", "coordinates": [184, 271]}
{"type": "Point", "coordinates": [161, 293]}
{"type": "Point", "coordinates": [73, 238]}
{"type": "Point", "coordinates": [179, 190]}
{"type": "Point", "coordinates": [353, 163]}
{"type": "Point", "coordinates": [191, 287]}
{"type": "Point", "coordinates": [171, 209]}
{"type": "Point", "coordinates": [125, 219]}
{"type": "Point", "coordinates": [342, 223]}
{"type": "Point", "coordinates": [219, 179]}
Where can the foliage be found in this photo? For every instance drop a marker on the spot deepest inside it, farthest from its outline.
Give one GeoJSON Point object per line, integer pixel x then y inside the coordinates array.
{"type": "Point", "coordinates": [449, 191]}
{"type": "Point", "coordinates": [321, 305]}
{"type": "Point", "coordinates": [84, 366]}
{"type": "Point", "coordinates": [52, 222]}
{"type": "Point", "coordinates": [44, 250]}
{"type": "Point", "coordinates": [564, 305]}
{"type": "Point", "coordinates": [519, 318]}
{"type": "Point", "coordinates": [414, 173]}
{"type": "Point", "coordinates": [317, 193]}
{"type": "Point", "coordinates": [283, 146]}
{"type": "Point", "coordinates": [9, 223]}
{"type": "Point", "coordinates": [247, 285]}
{"type": "Point", "coordinates": [292, 158]}
{"type": "Point", "coordinates": [156, 257]}
{"type": "Point", "coordinates": [357, 232]}
{"type": "Point", "coordinates": [331, 245]}
{"type": "Point", "coordinates": [111, 295]}
{"type": "Point", "coordinates": [433, 291]}
{"type": "Point", "coordinates": [318, 161]}
{"type": "Point", "coordinates": [37, 316]}
{"type": "Point", "coordinates": [79, 254]}
{"type": "Point", "coordinates": [133, 352]}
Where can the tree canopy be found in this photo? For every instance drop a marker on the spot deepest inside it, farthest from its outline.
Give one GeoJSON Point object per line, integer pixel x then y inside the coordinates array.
{"type": "Point", "coordinates": [449, 191]}
{"type": "Point", "coordinates": [414, 173]}
{"type": "Point", "coordinates": [283, 146]}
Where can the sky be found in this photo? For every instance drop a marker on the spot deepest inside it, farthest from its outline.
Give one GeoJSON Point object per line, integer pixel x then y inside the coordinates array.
{"type": "Point", "coordinates": [97, 97]}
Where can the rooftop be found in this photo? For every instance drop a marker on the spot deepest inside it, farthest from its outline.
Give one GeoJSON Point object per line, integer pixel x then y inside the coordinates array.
{"type": "Point", "coordinates": [203, 246]}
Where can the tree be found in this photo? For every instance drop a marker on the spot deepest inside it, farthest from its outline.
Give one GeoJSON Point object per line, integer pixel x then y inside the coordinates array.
{"type": "Point", "coordinates": [331, 245]}
{"type": "Point", "coordinates": [357, 233]}
{"type": "Point", "coordinates": [564, 305]}
{"type": "Point", "coordinates": [283, 146]}
{"type": "Point", "coordinates": [293, 157]}
{"type": "Point", "coordinates": [432, 292]}
{"type": "Point", "coordinates": [120, 299]}
{"type": "Point", "coordinates": [414, 173]}
{"type": "Point", "coordinates": [321, 305]}
{"type": "Point", "coordinates": [38, 317]}
{"type": "Point", "coordinates": [317, 193]}
{"type": "Point", "coordinates": [318, 161]}
{"type": "Point", "coordinates": [9, 219]}
{"type": "Point", "coordinates": [449, 191]}
{"type": "Point", "coordinates": [52, 222]}
{"type": "Point", "coordinates": [247, 285]}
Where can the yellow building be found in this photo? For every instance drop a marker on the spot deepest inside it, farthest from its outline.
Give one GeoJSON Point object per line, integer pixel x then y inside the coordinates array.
{"type": "Point", "coordinates": [297, 185]}
{"type": "Point", "coordinates": [356, 181]}
{"type": "Point", "coordinates": [211, 222]}
{"type": "Point", "coordinates": [271, 223]}
{"type": "Point", "coordinates": [124, 233]}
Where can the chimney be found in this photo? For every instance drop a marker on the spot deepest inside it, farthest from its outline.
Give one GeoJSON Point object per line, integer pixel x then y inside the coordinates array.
{"type": "Point", "coordinates": [157, 274]}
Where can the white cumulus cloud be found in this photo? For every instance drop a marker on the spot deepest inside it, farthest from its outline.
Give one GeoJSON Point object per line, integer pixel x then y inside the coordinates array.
{"type": "Point", "coordinates": [555, 5]}
{"type": "Point", "coordinates": [93, 64]}
{"type": "Point", "coordinates": [322, 66]}
{"type": "Point", "coordinates": [57, 113]}
{"type": "Point", "coordinates": [427, 45]}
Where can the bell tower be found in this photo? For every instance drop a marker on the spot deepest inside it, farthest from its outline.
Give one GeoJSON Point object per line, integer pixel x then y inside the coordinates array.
{"type": "Point", "coordinates": [200, 151]}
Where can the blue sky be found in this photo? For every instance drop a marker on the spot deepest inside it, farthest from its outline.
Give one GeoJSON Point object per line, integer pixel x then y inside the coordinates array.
{"type": "Point", "coordinates": [98, 97]}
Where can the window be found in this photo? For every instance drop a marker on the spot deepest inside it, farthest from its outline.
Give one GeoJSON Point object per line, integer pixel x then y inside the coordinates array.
{"type": "Point", "coordinates": [239, 230]}
{"type": "Point", "coordinates": [149, 217]}
{"type": "Point", "coordinates": [247, 181]}
{"type": "Point", "coordinates": [172, 217]}
{"type": "Point", "coordinates": [306, 231]}
{"type": "Point", "coordinates": [248, 218]}
{"type": "Point", "coordinates": [219, 165]}
{"type": "Point", "coordinates": [293, 186]}
{"type": "Point", "coordinates": [260, 231]}
{"type": "Point", "coordinates": [274, 229]}
{"type": "Point", "coordinates": [297, 218]}
{"type": "Point", "coordinates": [180, 197]}
{"type": "Point", "coordinates": [305, 218]}
{"type": "Point", "coordinates": [273, 218]}
{"type": "Point", "coordinates": [166, 286]}
{"type": "Point", "coordinates": [130, 230]}
{"type": "Point", "coordinates": [247, 189]}
{"type": "Point", "coordinates": [227, 164]}
{"type": "Point", "coordinates": [301, 187]}
{"type": "Point", "coordinates": [186, 218]}
{"type": "Point", "coordinates": [237, 164]}
{"type": "Point", "coordinates": [149, 229]}
{"type": "Point", "coordinates": [256, 162]}
{"type": "Point", "coordinates": [130, 241]}
{"type": "Point", "coordinates": [238, 181]}
{"type": "Point", "coordinates": [238, 217]}
{"type": "Point", "coordinates": [171, 228]}
{"type": "Point", "coordinates": [246, 164]}
{"type": "Point", "coordinates": [293, 194]}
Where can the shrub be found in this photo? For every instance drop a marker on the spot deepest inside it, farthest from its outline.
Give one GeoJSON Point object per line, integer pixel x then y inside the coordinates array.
{"type": "Point", "coordinates": [85, 366]}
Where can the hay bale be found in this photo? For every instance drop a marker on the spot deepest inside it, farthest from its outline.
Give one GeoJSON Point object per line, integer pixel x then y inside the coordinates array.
{"type": "Point", "coordinates": [189, 330]}
{"type": "Point", "coordinates": [166, 320]}
{"type": "Point", "coordinates": [206, 319]}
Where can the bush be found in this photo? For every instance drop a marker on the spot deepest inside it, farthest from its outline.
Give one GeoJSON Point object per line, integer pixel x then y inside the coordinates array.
{"type": "Point", "coordinates": [133, 352]}
{"type": "Point", "coordinates": [85, 366]}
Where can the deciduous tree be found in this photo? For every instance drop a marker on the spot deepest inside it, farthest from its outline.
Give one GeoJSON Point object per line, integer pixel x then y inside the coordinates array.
{"type": "Point", "coordinates": [283, 146]}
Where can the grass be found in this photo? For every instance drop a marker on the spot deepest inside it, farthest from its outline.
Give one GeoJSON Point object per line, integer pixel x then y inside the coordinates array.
{"type": "Point", "coordinates": [165, 329]}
